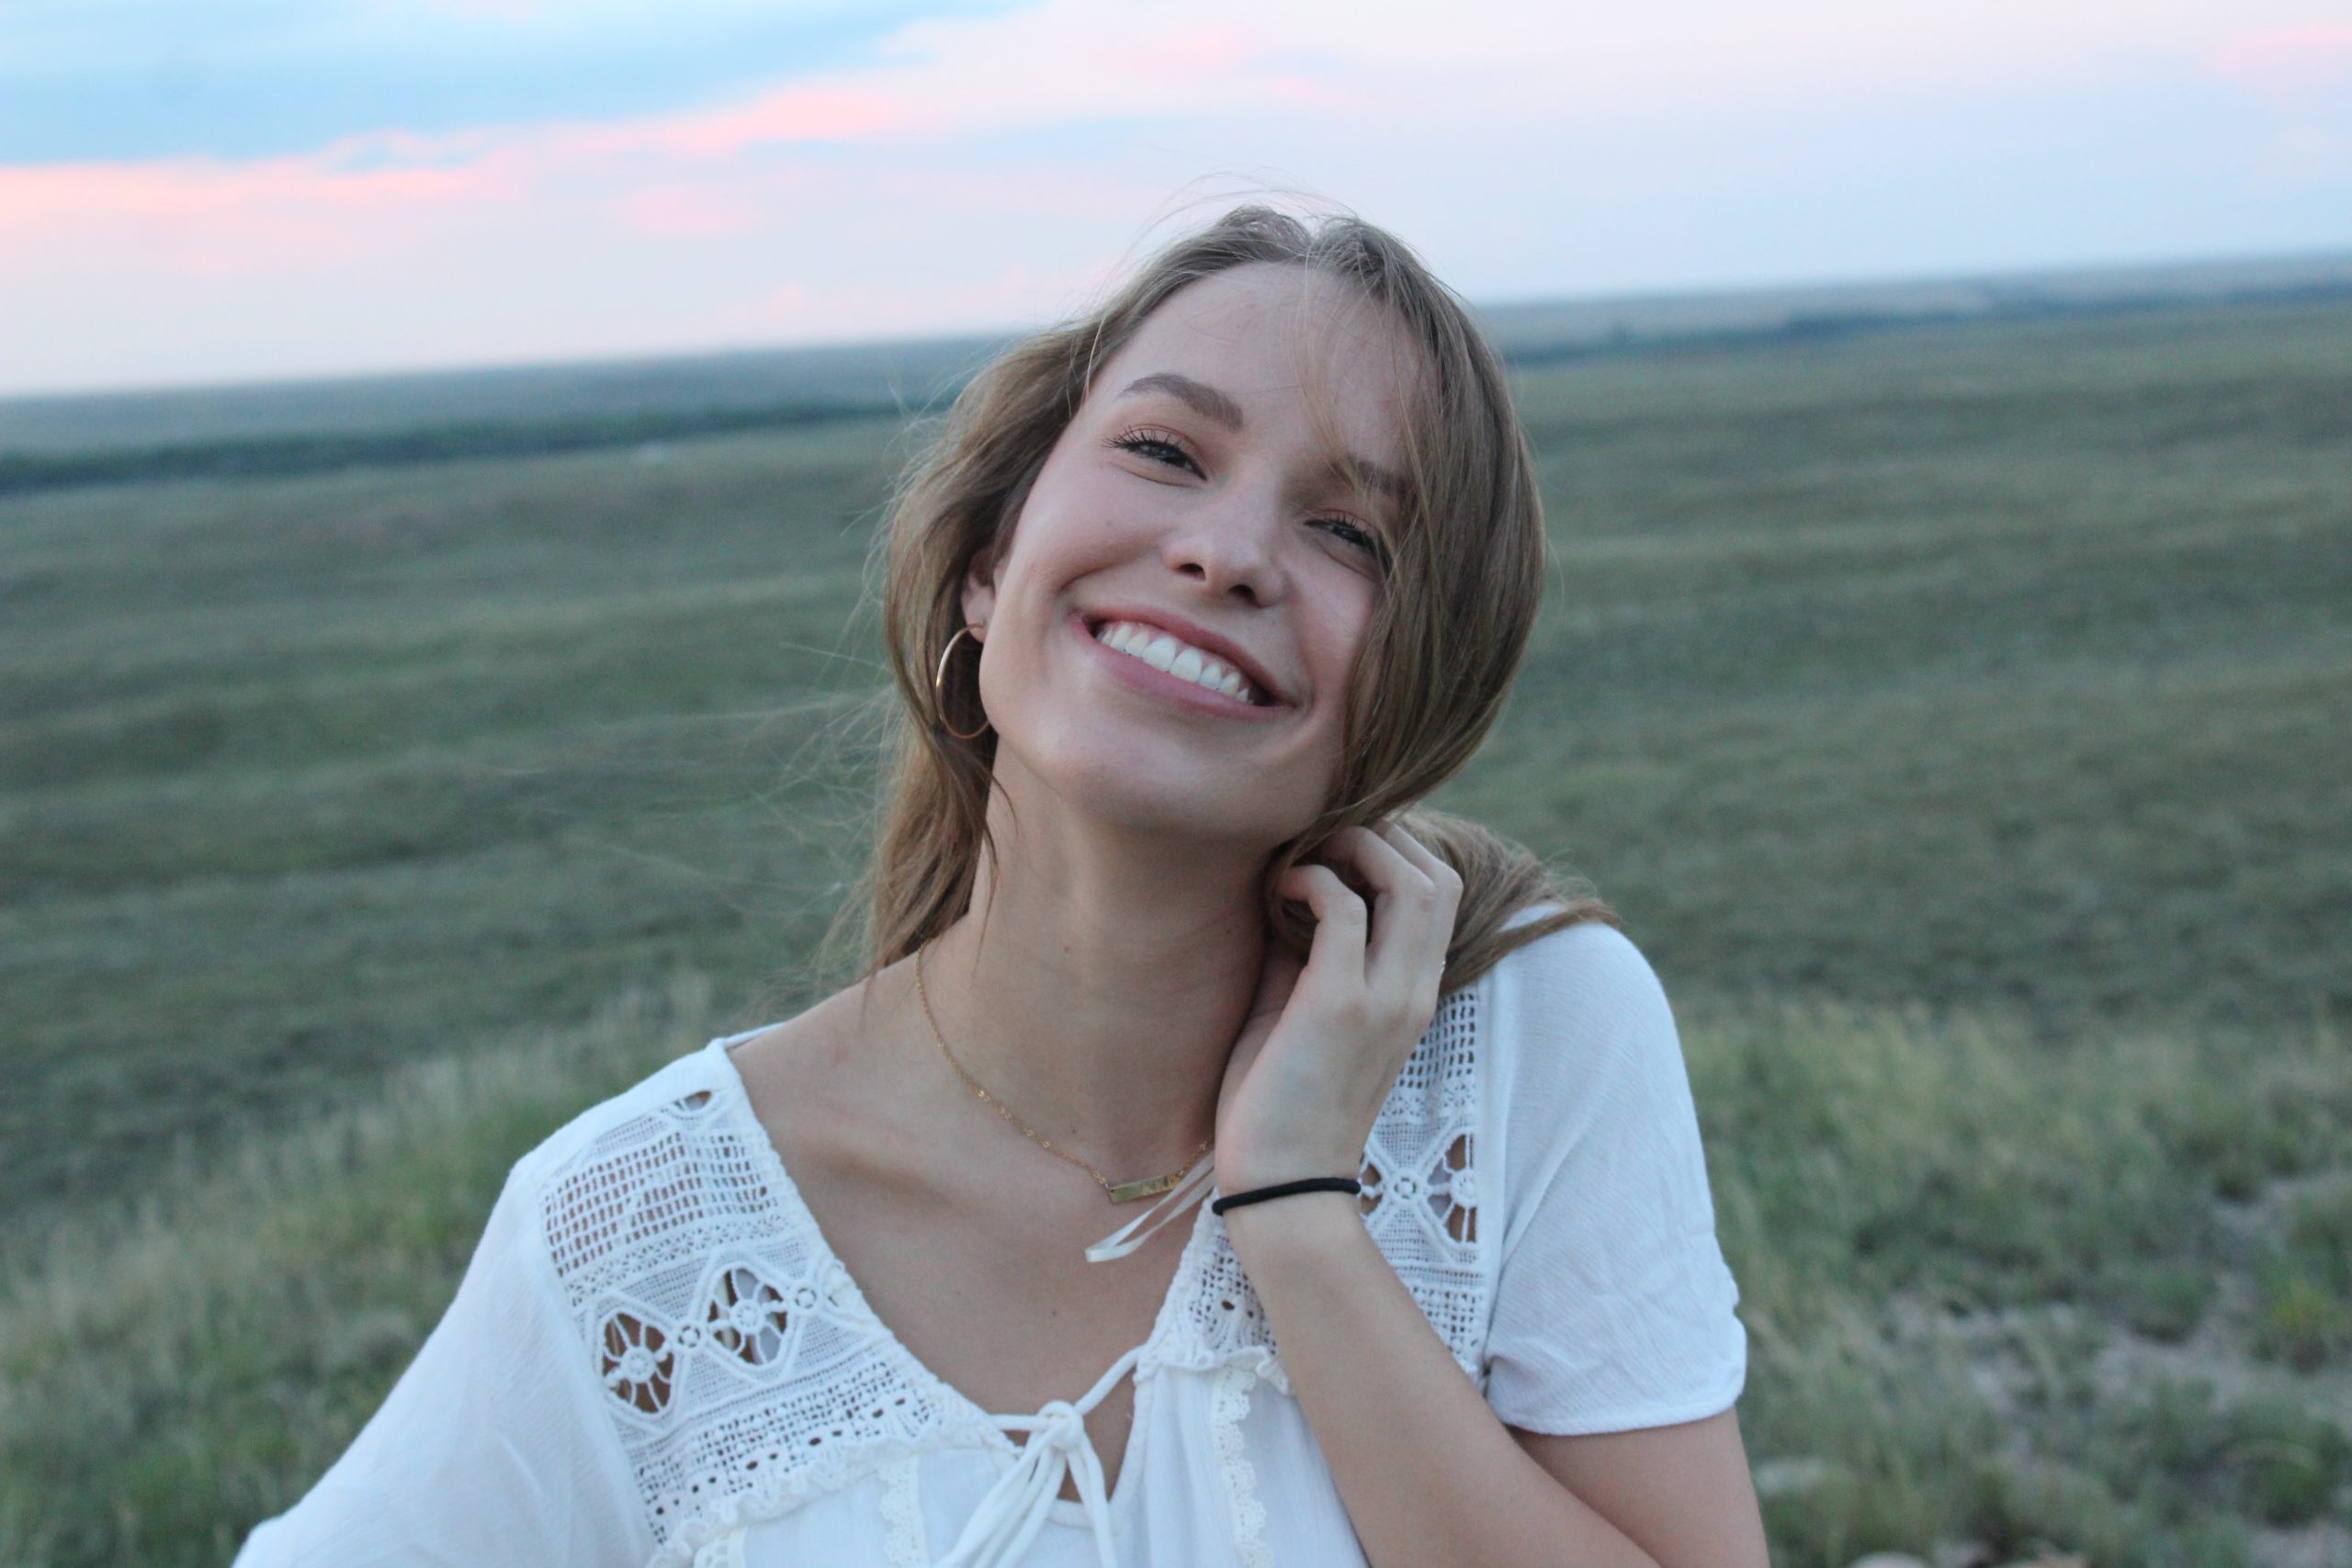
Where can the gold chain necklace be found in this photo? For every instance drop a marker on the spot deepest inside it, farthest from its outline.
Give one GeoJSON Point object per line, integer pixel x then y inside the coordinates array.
{"type": "Point", "coordinates": [1122, 1192]}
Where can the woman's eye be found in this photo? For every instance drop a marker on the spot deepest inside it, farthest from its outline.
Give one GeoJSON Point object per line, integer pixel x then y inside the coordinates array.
{"type": "Point", "coordinates": [1158, 448]}
{"type": "Point", "coordinates": [1363, 538]}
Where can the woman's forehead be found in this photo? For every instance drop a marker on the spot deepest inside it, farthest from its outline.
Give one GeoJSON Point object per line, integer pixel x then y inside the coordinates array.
{"type": "Point", "coordinates": [1261, 338]}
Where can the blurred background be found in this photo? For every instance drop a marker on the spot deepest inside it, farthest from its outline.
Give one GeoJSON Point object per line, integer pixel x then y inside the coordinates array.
{"type": "Point", "coordinates": [439, 445]}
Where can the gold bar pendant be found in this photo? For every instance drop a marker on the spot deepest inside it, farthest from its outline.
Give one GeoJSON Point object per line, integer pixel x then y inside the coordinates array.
{"type": "Point", "coordinates": [1128, 1191]}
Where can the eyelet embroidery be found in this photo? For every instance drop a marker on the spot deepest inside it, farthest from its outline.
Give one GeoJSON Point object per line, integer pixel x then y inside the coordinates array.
{"type": "Point", "coordinates": [746, 1317]}
{"type": "Point", "coordinates": [639, 1365]}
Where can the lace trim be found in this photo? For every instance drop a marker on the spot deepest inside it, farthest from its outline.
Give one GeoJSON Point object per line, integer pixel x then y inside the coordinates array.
{"type": "Point", "coordinates": [1228, 1402]}
{"type": "Point", "coordinates": [726, 1552]}
{"type": "Point", "coordinates": [906, 1542]}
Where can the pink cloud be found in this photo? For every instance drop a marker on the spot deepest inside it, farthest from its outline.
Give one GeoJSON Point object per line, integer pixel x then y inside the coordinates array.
{"type": "Point", "coordinates": [686, 214]}
{"type": "Point", "coordinates": [36, 198]}
{"type": "Point", "coordinates": [212, 217]}
{"type": "Point", "coordinates": [2286, 62]}
{"type": "Point", "coordinates": [791, 115]}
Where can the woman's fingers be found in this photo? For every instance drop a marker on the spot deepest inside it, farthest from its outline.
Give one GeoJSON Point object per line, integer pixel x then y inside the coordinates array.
{"type": "Point", "coordinates": [1447, 879]}
{"type": "Point", "coordinates": [1340, 920]}
{"type": "Point", "coordinates": [1404, 916]}
{"type": "Point", "coordinates": [1448, 883]}
{"type": "Point", "coordinates": [1441, 874]}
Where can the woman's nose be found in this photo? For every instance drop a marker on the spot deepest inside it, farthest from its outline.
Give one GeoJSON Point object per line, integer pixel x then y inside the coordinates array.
{"type": "Point", "coordinates": [1231, 545]}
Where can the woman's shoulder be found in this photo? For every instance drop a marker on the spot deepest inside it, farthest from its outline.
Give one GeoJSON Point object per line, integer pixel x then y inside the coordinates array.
{"type": "Point", "coordinates": [595, 1180]}
{"type": "Point", "coordinates": [681, 1085]}
{"type": "Point", "coordinates": [1589, 971]}
{"type": "Point", "coordinates": [1574, 1016]}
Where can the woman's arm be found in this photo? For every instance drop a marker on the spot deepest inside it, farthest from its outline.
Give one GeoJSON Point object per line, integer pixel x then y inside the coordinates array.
{"type": "Point", "coordinates": [495, 1445]}
{"type": "Point", "coordinates": [1429, 1473]}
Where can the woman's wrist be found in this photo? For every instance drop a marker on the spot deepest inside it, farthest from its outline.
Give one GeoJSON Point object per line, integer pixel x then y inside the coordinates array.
{"type": "Point", "coordinates": [1302, 1222]}
{"type": "Point", "coordinates": [1240, 1171]}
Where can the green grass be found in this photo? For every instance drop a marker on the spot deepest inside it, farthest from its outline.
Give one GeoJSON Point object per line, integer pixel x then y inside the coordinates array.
{"type": "Point", "coordinates": [1957, 714]}
{"type": "Point", "coordinates": [219, 1347]}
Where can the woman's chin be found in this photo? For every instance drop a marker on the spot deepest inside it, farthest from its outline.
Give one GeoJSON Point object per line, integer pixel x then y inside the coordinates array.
{"type": "Point", "coordinates": [1129, 793]}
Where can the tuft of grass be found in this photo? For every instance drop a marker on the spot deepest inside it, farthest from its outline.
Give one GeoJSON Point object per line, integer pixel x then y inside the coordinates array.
{"type": "Point", "coordinates": [2303, 1285]}
{"type": "Point", "coordinates": [2179, 1447]}
{"type": "Point", "coordinates": [2289, 1462]}
{"type": "Point", "coordinates": [2298, 1320]}
{"type": "Point", "coordinates": [2168, 1300]}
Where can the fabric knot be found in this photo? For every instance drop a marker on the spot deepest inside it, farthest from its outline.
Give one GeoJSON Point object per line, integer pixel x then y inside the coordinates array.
{"type": "Point", "coordinates": [1061, 1426]}
{"type": "Point", "coordinates": [1012, 1511]}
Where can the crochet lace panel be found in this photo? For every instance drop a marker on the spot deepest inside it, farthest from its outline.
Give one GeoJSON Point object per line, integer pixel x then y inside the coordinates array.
{"type": "Point", "coordinates": [745, 1371]}
{"type": "Point", "coordinates": [742, 1365]}
{"type": "Point", "coordinates": [1419, 1200]}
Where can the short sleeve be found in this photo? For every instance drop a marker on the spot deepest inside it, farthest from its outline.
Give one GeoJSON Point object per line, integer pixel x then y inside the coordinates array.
{"type": "Point", "coordinates": [494, 1446]}
{"type": "Point", "coordinates": [1612, 1301]}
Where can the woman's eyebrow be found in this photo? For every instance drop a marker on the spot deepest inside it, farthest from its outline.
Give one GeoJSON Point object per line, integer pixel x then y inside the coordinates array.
{"type": "Point", "coordinates": [1210, 403]}
{"type": "Point", "coordinates": [1204, 400]}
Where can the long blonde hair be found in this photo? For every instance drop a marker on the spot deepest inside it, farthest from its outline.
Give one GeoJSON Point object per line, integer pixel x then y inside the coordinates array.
{"type": "Point", "coordinates": [1445, 641]}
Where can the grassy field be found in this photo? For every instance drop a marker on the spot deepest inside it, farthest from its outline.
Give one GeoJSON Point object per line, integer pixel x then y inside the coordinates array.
{"type": "Point", "coordinates": [1957, 714]}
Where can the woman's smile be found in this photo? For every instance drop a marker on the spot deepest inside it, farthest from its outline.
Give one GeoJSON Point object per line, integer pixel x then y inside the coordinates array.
{"type": "Point", "coordinates": [1148, 679]}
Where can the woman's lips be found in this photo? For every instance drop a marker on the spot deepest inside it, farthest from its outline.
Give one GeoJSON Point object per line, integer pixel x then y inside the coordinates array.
{"type": "Point", "coordinates": [1142, 677]}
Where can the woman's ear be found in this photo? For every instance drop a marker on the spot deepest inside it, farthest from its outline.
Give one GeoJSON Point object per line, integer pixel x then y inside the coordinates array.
{"type": "Point", "coordinates": [980, 588]}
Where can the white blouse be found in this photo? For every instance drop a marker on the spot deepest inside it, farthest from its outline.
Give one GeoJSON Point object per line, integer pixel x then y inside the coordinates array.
{"type": "Point", "coordinates": [654, 1358]}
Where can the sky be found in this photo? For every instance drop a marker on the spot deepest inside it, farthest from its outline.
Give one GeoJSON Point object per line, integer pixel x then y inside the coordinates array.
{"type": "Point", "coordinates": [202, 191]}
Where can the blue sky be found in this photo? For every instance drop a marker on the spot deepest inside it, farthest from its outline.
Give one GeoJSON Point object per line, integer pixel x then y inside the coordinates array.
{"type": "Point", "coordinates": [238, 78]}
{"type": "Point", "coordinates": [240, 190]}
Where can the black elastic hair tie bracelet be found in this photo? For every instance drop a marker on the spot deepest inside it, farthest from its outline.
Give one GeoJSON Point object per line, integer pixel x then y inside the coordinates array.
{"type": "Point", "coordinates": [1285, 1189]}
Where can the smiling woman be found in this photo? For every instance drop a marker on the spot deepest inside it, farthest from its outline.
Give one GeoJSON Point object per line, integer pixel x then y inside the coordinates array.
{"type": "Point", "coordinates": [1190, 603]}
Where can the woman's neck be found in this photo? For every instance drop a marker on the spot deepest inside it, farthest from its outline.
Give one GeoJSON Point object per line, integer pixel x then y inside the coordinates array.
{"type": "Point", "coordinates": [1098, 982]}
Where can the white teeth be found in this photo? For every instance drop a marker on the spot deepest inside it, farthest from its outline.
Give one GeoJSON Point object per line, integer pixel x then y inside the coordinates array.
{"type": "Point", "coordinates": [1185, 662]}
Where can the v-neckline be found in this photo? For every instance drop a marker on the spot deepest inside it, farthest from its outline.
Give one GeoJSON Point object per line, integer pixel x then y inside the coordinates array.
{"type": "Point", "coordinates": [962, 1409]}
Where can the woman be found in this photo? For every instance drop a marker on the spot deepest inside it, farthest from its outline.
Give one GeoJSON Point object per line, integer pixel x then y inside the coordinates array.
{"type": "Point", "coordinates": [1192, 599]}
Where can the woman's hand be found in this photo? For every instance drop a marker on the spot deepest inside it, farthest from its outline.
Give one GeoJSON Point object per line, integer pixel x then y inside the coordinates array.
{"type": "Point", "coordinates": [1325, 1041]}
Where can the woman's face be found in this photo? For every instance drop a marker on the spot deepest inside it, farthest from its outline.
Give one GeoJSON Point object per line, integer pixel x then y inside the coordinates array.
{"type": "Point", "coordinates": [1193, 496]}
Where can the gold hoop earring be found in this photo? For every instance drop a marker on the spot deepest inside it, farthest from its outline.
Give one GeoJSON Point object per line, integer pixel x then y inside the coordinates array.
{"type": "Point", "coordinates": [939, 685]}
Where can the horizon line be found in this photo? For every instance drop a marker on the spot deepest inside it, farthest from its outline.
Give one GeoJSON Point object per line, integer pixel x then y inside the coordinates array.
{"type": "Point", "coordinates": [2178, 265]}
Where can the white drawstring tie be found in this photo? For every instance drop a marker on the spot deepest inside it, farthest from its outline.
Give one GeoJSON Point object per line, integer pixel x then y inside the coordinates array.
{"type": "Point", "coordinates": [1200, 1180]}
{"type": "Point", "coordinates": [1015, 1510]}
